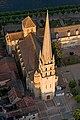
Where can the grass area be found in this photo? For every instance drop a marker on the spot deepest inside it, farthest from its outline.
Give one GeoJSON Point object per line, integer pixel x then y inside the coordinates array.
{"type": "Point", "coordinates": [74, 59]}
{"type": "Point", "coordinates": [55, 23]}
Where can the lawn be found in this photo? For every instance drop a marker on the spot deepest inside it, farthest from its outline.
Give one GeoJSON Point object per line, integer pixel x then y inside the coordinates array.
{"type": "Point", "coordinates": [73, 59]}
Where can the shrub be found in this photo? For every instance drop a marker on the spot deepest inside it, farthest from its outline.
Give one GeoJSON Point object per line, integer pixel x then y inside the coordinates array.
{"type": "Point", "coordinates": [78, 98]}
{"type": "Point", "coordinates": [74, 91]}
{"type": "Point", "coordinates": [77, 114]}
{"type": "Point", "coordinates": [72, 84]}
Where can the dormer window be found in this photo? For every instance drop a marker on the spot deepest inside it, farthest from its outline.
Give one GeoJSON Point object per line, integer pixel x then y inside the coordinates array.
{"type": "Point", "coordinates": [68, 33]}
{"type": "Point", "coordinates": [77, 31]}
{"type": "Point", "coordinates": [57, 35]}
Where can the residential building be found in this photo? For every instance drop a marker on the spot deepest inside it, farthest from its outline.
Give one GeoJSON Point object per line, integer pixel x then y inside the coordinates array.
{"type": "Point", "coordinates": [8, 71]}
{"type": "Point", "coordinates": [24, 109]}
{"type": "Point", "coordinates": [14, 95]}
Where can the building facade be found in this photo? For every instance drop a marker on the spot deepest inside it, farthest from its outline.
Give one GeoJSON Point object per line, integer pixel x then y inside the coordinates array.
{"type": "Point", "coordinates": [68, 36]}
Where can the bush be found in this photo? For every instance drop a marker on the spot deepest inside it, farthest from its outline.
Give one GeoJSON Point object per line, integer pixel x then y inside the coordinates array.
{"type": "Point", "coordinates": [58, 53]}
{"type": "Point", "coordinates": [78, 98]}
{"type": "Point", "coordinates": [74, 91]}
{"type": "Point", "coordinates": [72, 84]}
{"type": "Point", "coordinates": [77, 114]}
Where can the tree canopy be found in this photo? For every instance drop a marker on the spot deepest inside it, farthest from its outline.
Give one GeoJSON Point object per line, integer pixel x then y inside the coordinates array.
{"type": "Point", "coordinates": [72, 84]}
{"type": "Point", "coordinates": [77, 114]}
{"type": "Point", "coordinates": [78, 98]}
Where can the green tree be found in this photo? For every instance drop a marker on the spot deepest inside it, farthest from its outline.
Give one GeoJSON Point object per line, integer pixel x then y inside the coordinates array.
{"type": "Point", "coordinates": [42, 22]}
{"type": "Point", "coordinates": [58, 53]}
{"type": "Point", "coordinates": [74, 91]}
{"type": "Point", "coordinates": [78, 98]}
{"type": "Point", "coordinates": [72, 84]}
{"type": "Point", "coordinates": [77, 114]}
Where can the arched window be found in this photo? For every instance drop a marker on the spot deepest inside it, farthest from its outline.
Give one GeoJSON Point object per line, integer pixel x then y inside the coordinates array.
{"type": "Point", "coordinates": [50, 68]}
{"type": "Point", "coordinates": [68, 33]}
{"type": "Point", "coordinates": [57, 35]}
{"type": "Point", "coordinates": [77, 31]}
{"type": "Point", "coordinates": [46, 74]}
{"type": "Point", "coordinates": [32, 30]}
{"type": "Point", "coordinates": [50, 73]}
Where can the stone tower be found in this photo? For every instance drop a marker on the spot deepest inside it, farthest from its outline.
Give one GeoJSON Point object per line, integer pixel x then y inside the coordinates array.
{"type": "Point", "coordinates": [28, 26]}
{"type": "Point", "coordinates": [45, 79]}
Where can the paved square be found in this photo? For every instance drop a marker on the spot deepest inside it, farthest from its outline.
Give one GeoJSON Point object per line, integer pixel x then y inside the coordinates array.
{"type": "Point", "coordinates": [41, 106]}
{"type": "Point", "coordinates": [52, 112]}
{"type": "Point", "coordinates": [43, 114]}
{"type": "Point", "coordinates": [50, 103]}
{"type": "Point", "coordinates": [68, 115]}
{"type": "Point", "coordinates": [56, 117]}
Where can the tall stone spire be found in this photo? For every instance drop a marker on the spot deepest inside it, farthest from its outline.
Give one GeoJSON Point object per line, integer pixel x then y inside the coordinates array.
{"type": "Point", "coordinates": [47, 50]}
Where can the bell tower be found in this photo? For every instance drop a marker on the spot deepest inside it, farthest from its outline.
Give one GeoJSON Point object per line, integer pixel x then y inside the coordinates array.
{"type": "Point", "coordinates": [47, 78]}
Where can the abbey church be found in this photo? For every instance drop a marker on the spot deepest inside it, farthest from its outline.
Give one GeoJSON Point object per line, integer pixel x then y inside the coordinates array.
{"type": "Point", "coordinates": [35, 58]}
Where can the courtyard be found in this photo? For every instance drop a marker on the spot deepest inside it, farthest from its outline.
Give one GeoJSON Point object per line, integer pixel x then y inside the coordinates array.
{"type": "Point", "coordinates": [71, 55]}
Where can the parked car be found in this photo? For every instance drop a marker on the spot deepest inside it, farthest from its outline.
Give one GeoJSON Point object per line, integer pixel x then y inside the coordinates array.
{"type": "Point", "coordinates": [59, 93]}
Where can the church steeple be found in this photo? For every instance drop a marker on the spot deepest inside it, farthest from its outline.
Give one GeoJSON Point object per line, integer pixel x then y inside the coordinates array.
{"type": "Point", "coordinates": [46, 49]}
{"type": "Point", "coordinates": [45, 78]}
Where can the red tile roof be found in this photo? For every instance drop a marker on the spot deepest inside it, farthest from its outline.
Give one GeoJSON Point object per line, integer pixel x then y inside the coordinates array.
{"type": "Point", "coordinates": [15, 36]}
{"type": "Point", "coordinates": [25, 106]}
{"type": "Point", "coordinates": [25, 102]}
{"type": "Point", "coordinates": [14, 93]}
{"type": "Point", "coordinates": [5, 76]}
{"type": "Point", "coordinates": [7, 64]}
{"type": "Point", "coordinates": [2, 51]}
